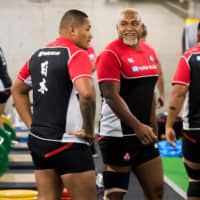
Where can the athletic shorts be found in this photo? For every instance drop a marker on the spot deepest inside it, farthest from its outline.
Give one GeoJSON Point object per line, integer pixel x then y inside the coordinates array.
{"type": "Point", "coordinates": [126, 151]}
{"type": "Point", "coordinates": [191, 145]}
{"type": "Point", "coordinates": [63, 157]}
{"type": "Point", "coordinates": [4, 95]}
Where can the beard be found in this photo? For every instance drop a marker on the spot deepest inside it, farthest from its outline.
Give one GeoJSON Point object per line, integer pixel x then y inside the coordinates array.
{"type": "Point", "coordinates": [130, 41]}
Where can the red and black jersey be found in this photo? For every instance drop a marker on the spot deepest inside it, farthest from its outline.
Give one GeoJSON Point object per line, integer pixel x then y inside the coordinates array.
{"type": "Point", "coordinates": [136, 71]}
{"type": "Point", "coordinates": [188, 73]}
{"type": "Point", "coordinates": [51, 72]}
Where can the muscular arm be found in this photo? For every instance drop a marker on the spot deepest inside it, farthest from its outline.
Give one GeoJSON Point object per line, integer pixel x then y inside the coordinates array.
{"type": "Point", "coordinates": [20, 93]}
{"type": "Point", "coordinates": [175, 104]}
{"type": "Point", "coordinates": [110, 92]}
{"type": "Point", "coordinates": [87, 97]}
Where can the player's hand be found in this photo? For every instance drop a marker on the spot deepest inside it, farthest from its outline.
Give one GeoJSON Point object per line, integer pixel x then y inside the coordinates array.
{"type": "Point", "coordinates": [170, 136]}
{"type": "Point", "coordinates": [82, 134]}
{"type": "Point", "coordinates": [145, 134]}
{"type": "Point", "coordinates": [161, 102]}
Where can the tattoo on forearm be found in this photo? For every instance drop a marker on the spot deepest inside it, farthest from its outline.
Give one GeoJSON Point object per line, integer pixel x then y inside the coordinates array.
{"type": "Point", "coordinates": [172, 108]}
{"type": "Point", "coordinates": [88, 114]}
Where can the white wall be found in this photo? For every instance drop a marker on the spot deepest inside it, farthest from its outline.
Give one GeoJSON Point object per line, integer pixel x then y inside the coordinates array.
{"type": "Point", "coordinates": [29, 24]}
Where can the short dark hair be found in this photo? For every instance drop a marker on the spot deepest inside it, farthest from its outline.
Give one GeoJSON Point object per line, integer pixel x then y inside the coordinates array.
{"type": "Point", "coordinates": [73, 16]}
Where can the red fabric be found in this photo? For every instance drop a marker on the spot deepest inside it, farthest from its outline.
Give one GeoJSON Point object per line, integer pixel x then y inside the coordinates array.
{"type": "Point", "coordinates": [79, 63]}
{"type": "Point", "coordinates": [108, 67]}
{"type": "Point", "coordinates": [58, 150]}
{"type": "Point", "coordinates": [182, 75]}
{"type": "Point", "coordinates": [24, 73]}
{"type": "Point", "coordinates": [91, 53]}
{"type": "Point", "coordinates": [100, 138]}
{"type": "Point", "coordinates": [66, 195]}
{"type": "Point", "coordinates": [79, 66]}
{"type": "Point", "coordinates": [119, 59]}
{"type": "Point", "coordinates": [189, 138]}
{"type": "Point", "coordinates": [144, 44]}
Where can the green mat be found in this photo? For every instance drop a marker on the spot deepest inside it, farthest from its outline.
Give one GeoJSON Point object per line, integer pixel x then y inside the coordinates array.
{"type": "Point", "coordinates": [174, 169]}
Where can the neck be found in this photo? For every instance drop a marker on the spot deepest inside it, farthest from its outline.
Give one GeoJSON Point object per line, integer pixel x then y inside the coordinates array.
{"type": "Point", "coordinates": [136, 47]}
{"type": "Point", "coordinates": [64, 34]}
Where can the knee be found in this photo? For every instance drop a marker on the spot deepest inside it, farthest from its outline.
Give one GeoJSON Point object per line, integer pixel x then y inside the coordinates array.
{"type": "Point", "coordinates": [193, 189]}
{"type": "Point", "coordinates": [194, 184]}
{"type": "Point", "coordinates": [116, 185]}
{"type": "Point", "coordinates": [155, 193]}
{"type": "Point", "coordinates": [114, 195]}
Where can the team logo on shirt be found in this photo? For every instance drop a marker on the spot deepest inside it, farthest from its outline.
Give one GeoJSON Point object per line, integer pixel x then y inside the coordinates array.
{"type": "Point", "coordinates": [127, 157]}
{"type": "Point", "coordinates": [151, 59]}
{"type": "Point", "coordinates": [135, 69]}
{"type": "Point", "coordinates": [48, 53]}
{"type": "Point", "coordinates": [42, 84]}
{"type": "Point", "coordinates": [198, 58]}
{"type": "Point", "coordinates": [130, 60]}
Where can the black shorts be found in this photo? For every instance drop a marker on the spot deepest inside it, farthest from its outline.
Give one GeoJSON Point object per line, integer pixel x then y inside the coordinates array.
{"type": "Point", "coordinates": [63, 157]}
{"type": "Point", "coordinates": [191, 145]}
{"type": "Point", "coordinates": [4, 95]}
{"type": "Point", "coordinates": [126, 151]}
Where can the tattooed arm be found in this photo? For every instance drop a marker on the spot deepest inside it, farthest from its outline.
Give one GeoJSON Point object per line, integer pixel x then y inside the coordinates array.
{"type": "Point", "coordinates": [86, 91]}
{"type": "Point", "coordinates": [110, 91]}
{"type": "Point", "coordinates": [175, 104]}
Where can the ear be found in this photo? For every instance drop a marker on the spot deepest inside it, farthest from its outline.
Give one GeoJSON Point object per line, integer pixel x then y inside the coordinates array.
{"type": "Point", "coordinates": [71, 29]}
{"type": "Point", "coordinates": [117, 27]}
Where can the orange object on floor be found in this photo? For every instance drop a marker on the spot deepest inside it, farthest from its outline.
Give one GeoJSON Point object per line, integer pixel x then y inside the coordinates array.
{"type": "Point", "coordinates": [66, 195]}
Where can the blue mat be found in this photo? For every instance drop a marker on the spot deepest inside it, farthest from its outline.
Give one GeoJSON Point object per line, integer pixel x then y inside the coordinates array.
{"type": "Point", "coordinates": [167, 151]}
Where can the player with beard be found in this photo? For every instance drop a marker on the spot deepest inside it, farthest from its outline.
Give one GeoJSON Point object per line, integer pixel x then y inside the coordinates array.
{"type": "Point", "coordinates": [127, 74]}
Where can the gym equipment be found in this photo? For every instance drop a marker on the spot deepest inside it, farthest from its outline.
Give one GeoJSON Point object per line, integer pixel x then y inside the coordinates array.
{"type": "Point", "coordinates": [17, 185]}
{"type": "Point", "coordinates": [7, 140]}
{"type": "Point", "coordinates": [20, 146]}
{"type": "Point", "coordinates": [190, 21]}
{"type": "Point", "coordinates": [8, 128]}
{"type": "Point", "coordinates": [167, 151]}
{"type": "Point", "coordinates": [20, 161]}
{"type": "Point", "coordinates": [189, 37]}
{"type": "Point", "coordinates": [23, 138]}
{"type": "Point", "coordinates": [3, 157]}
{"type": "Point", "coordinates": [18, 194]}
{"type": "Point", "coordinates": [66, 195]}
{"type": "Point", "coordinates": [32, 198]}
{"type": "Point", "coordinates": [6, 120]}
